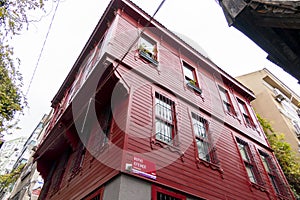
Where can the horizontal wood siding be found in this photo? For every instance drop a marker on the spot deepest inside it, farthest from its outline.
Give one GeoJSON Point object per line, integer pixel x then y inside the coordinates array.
{"type": "Point", "coordinates": [97, 171]}
{"type": "Point", "coordinates": [186, 174]}
{"type": "Point", "coordinates": [169, 73]}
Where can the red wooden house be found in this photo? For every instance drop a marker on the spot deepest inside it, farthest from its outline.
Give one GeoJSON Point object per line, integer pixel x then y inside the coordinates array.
{"type": "Point", "coordinates": [144, 115]}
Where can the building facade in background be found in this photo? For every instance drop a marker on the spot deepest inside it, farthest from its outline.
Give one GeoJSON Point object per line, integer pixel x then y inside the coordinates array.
{"type": "Point", "coordinates": [9, 154]}
{"type": "Point", "coordinates": [30, 183]}
{"type": "Point", "coordinates": [277, 103]}
{"type": "Point", "coordinates": [144, 115]}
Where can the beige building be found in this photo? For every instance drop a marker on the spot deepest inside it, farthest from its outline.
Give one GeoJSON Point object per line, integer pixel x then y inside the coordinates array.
{"type": "Point", "coordinates": [277, 103]}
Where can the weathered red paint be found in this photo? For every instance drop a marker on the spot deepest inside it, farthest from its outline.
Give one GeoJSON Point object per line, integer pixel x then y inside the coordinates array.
{"type": "Point", "coordinates": [133, 127]}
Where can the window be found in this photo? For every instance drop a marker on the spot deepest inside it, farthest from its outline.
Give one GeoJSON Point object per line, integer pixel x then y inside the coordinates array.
{"type": "Point", "coordinates": [59, 172]}
{"type": "Point", "coordinates": [249, 163]}
{"type": "Point", "coordinates": [100, 135]}
{"type": "Point", "coordinates": [189, 74]}
{"type": "Point", "coordinates": [245, 113]}
{"type": "Point", "coordinates": [190, 77]}
{"type": "Point", "coordinates": [162, 194]}
{"type": "Point", "coordinates": [202, 139]}
{"type": "Point", "coordinates": [165, 119]}
{"type": "Point", "coordinates": [271, 169]}
{"type": "Point", "coordinates": [148, 49]}
{"type": "Point", "coordinates": [77, 160]}
{"type": "Point", "coordinates": [227, 104]}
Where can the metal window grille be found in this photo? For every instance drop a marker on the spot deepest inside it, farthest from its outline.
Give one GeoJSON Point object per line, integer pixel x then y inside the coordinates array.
{"type": "Point", "coordinates": [203, 140]}
{"type": "Point", "coordinates": [165, 122]}
{"type": "Point", "coordinates": [162, 196]}
{"type": "Point", "coordinates": [249, 162]}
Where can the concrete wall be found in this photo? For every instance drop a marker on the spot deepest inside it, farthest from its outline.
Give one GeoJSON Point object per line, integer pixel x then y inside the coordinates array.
{"type": "Point", "coordinates": [127, 188]}
{"type": "Point", "coordinates": [267, 107]}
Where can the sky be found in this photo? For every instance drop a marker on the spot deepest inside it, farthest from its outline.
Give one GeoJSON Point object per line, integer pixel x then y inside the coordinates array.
{"type": "Point", "coordinates": [201, 21]}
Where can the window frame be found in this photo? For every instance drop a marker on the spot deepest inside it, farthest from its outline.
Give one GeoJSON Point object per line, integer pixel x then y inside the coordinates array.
{"type": "Point", "coordinates": [248, 121]}
{"type": "Point", "coordinates": [192, 83]}
{"type": "Point", "coordinates": [225, 93]}
{"type": "Point", "coordinates": [162, 97]}
{"type": "Point", "coordinates": [273, 175]}
{"type": "Point", "coordinates": [105, 135]}
{"type": "Point", "coordinates": [214, 162]}
{"type": "Point", "coordinates": [156, 190]}
{"type": "Point", "coordinates": [77, 160]}
{"type": "Point", "coordinates": [207, 139]}
{"type": "Point", "coordinates": [249, 162]}
{"type": "Point", "coordinates": [144, 52]}
{"type": "Point", "coordinates": [59, 173]}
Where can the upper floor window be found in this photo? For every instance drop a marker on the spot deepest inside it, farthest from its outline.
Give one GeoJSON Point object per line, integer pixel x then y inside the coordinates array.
{"type": "Point", "coordinates": [77, 160]}
{"type": "Point", "coordinates": [165, 119]}
{"type": "Point", "coordinates": [249, 163]}
{"type": "Point", "coordinates": [100, 132]}
{"type": "Point", "coordinates": [227, 104]}
{"type": "Point", "coordinates": [58, 173]}
{"type": "Point", "coordinates": [271, 169]}
{"type": "Point", "coordinates": [245, 112]}
{"type": "Point", "coordinates": [202, 139]}
{"type": "Point", "coordinates": [148, 49]}
{"type": "Point", "coordinates": [190, 77]}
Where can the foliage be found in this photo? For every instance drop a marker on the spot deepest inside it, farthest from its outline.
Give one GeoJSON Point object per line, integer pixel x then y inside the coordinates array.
{"type": "Point", "coordinates": [7, 179]}
{"type": "Point", "coordinates": [13, 16]}
{"type": "Point", "coordinates": [287, 159]}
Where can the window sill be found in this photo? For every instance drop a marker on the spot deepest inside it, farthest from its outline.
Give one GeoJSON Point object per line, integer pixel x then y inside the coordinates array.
{"type": "Point", "coordinates": [194, 87]}
{"type": "Point", "coordinates": [251, 126]}
{"type": "Point", "coordinates": [258, 187]}
{"type": "Point", "coordinates": [148, 57]}
{"type": "Point", "coordinates": [213, 166]}
{"type": "Point", "coordinates": [164, 145]}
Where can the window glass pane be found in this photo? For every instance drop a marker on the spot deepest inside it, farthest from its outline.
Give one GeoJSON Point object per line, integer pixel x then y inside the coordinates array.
{"type": "Point", "coordinates": [273, 181]}
{"type": "Point", "coordinates": [203, 150]}
{"type": "Point", "coordinates": [163, 131]}
{"type": "Point", "coordinates": [224, 95]}
{"type": "Point", "coordinates": [250, 173]}
{"type": "Point", "coordinates": [199, 128]}
{"type": "Point", "coordinates": [146, 44]}
{"type": "Point", "coordinates": [289, 109]}
{"type": "Point", "coordinates": [163, 110]}
{"type": "Point", "coordinates": [265, 163]}
{"type": "Point", "coordinates": [243, 152]}
{"type": "Point", "coordinates": [243, 107]}
{"type": "Point", "coordinates": [188, 73]}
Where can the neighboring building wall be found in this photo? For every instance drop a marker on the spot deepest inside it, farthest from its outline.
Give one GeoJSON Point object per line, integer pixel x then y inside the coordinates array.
{"type": "Point", "coordinates": [9, 154]}
{"type": "Point", "coordinates": [30, 183]}
{"type": "Point", "coordinates": [271, 107]}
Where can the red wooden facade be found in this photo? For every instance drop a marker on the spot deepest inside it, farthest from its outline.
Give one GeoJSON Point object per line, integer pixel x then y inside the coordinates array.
{"type": "Point", "coordinates": [141, 102]}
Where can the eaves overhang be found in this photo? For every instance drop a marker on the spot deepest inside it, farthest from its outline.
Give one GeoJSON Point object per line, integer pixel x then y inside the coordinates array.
{"type": "Point", "coordinates": [273, 25]}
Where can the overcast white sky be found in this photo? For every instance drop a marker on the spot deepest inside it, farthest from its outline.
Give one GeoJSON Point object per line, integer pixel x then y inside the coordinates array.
{"type": "Point", "coordinates": [202, 21]}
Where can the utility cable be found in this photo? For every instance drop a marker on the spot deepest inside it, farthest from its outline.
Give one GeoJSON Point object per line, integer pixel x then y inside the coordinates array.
{"type": "Point", "coordinates": [41, 52]}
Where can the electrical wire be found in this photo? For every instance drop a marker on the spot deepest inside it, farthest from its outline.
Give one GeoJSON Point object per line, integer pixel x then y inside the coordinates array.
{"type": "Point", "coordinates": [42, 50]}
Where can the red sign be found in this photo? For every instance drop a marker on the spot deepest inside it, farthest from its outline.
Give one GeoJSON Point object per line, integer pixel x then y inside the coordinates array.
{"type": "Point", "coordinates": [143, 167]}
{"type": "Point", "coordinates": [36, 192]}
